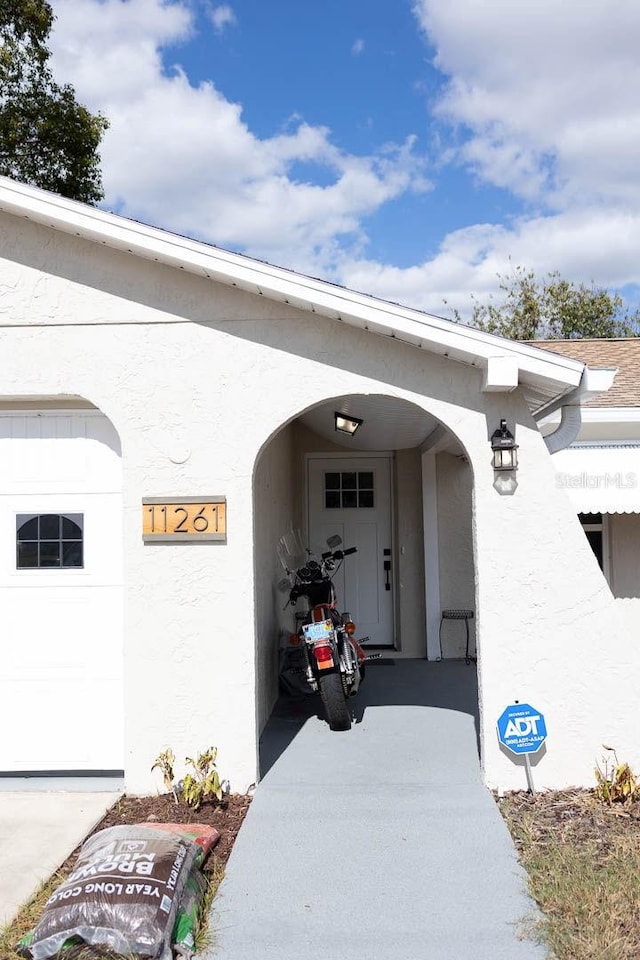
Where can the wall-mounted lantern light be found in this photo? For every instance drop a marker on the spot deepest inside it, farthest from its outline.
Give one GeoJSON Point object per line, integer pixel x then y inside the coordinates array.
{"type": "Point", "coordinates": [345, 424]}
{"type": "Point", "coordinates": [505, 449]}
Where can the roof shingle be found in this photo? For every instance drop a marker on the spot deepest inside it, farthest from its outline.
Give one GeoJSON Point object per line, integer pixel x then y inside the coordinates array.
{"type": "Point", "coordinates": [623, 354]}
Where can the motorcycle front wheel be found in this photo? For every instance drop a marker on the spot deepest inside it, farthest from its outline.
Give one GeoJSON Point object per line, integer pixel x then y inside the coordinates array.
{"type": "Point", "coordinates": [334, 701]}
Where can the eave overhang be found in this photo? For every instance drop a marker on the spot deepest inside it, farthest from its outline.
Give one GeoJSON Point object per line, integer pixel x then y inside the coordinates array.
{"type": "Point", "coordinates": [545, 377]}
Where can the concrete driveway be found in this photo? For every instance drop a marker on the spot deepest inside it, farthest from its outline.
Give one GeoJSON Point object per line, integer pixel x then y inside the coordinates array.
{"type": "Point", "coordinates": [378, 843]}
{"type": "Point", "coordinates": [38, 831]}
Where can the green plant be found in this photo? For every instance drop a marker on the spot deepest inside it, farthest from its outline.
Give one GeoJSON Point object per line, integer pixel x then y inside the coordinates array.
{"type": "Point", "coordinates": [615, 782]}
{"type": "Point", "coordinates": [204, 782]}
{"type": "Point", "coordinates": [164, 762]}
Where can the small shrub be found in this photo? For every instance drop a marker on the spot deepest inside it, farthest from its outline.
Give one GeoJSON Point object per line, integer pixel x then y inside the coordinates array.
{"type": "Point", "coordinates": [204, 782]}
{"type": "Point", "coordinates": [164, 762]}
{"type": "Point", "coordinates": [615, 782]}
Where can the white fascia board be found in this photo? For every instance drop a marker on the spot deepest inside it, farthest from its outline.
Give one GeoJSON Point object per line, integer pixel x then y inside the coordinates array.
{"type": "Point", "coordinates": [600, 415]}
{"type": "Point", "coordinates": [422, 330]}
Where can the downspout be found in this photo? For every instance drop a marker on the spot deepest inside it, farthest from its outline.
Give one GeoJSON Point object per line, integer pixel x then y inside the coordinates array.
{"type": "Point", "coordinates": [568, 428]}
{"type": "Point", "coordinates": [592, 383]}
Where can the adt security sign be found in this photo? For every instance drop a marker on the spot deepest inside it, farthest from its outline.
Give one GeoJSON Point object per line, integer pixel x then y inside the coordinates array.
{"type": "Point", "coordinates": [522, 729]}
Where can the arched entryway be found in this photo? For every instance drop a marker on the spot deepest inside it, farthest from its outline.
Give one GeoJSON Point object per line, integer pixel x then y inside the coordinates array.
{"type": "Point", "coordinates": [400, 489]}
{"type": "Point", "coordinates": [61, 572]}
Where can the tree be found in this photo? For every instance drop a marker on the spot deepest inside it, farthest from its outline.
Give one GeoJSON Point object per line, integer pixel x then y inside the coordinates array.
{"type": "Point", "coordinates": [552, 309]}
{"type": "Point", "coordinates": [46, 137]}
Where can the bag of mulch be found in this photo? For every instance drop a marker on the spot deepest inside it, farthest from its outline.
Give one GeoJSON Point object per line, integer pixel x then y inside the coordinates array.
{"type": "Point", "coordinates": [189, 914]}
{"type": "Point", "coordinates": [201, 834]}
{"type": "Point", "coordinates": [195, 889]}
{"type": "Point", "coordinates": [123, 894]}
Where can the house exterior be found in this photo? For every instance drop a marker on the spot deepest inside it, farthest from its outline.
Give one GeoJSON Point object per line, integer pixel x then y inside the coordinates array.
{"type": "Point", "coordinates": [154, 388]}
{"type": "Point", "coordinates": [600, 469]}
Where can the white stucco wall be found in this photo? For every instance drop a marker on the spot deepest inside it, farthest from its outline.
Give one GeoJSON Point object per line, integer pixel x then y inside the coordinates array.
{"type": "Point", "coordinates": [273, 516]}
{"type": "Point", "coordinates": [455, 539]}
{"type": "Point", "coordinates": [409, 559]}
{"type": "Point", "coordinates": [168, 358]}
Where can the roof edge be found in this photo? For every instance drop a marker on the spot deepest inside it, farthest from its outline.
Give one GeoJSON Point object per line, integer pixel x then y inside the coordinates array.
{"type": "Point", "coordinates": [423, 330]}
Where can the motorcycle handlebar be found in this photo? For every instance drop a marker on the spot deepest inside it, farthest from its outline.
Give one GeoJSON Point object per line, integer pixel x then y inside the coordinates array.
{"type": "Point", "coordinates": [338, 554]}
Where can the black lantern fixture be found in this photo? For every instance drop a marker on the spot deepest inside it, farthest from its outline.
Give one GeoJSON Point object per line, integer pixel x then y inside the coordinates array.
{"type": "Point", "coordinates": [505, 455]}
{"type": "Point", "coordinates": [346, 424]}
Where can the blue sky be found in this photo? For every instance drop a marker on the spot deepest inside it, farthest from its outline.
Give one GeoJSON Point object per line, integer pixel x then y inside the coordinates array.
{"type": "Point", "coordinates": [413, 149]}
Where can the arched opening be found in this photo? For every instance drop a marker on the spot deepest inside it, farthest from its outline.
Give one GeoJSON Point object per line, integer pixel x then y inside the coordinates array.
{"type": "Point", "coordinates": [400, 490]}
{"type": "Point", "coordinates": [61, 573]}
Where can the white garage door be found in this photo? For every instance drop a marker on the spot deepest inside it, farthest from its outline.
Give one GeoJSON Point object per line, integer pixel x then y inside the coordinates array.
{"type": "Point", "coordinates": [61, 698]}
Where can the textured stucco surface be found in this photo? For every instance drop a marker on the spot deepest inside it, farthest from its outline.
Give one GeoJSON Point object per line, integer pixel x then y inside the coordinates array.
{"type": "Point", "coordinates": [409, 559]}
{"type": "Point", "coordinates": [182, 365]}
{"type": "Point", "coordinates": [455, 538]}
{"type": "Point", "coordinates": [273, 516]}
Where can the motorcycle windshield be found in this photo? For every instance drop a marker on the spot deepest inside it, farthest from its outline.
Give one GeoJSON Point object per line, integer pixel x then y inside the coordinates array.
{"type": "Point", "coordinates": [292, 552]}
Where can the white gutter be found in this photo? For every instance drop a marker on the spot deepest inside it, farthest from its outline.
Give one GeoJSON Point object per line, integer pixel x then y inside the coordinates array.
{"type": "Point", "coordinates": [593, 383]}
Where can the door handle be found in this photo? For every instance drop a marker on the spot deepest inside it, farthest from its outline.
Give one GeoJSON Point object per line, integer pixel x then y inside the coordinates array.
{"type": "Point", "coordinates": [387, 570]}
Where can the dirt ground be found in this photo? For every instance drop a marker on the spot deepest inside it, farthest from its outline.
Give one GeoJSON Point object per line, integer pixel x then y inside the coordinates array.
{"type": "Point", "coordinates": [570, 816]}
{"type": "Point", "coordinates": [226, 818]}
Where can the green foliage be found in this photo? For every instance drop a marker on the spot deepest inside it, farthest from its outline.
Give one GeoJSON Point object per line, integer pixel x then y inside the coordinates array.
{"type": "Point", "coordinates": [47, 138]}
{"type": "Point", "coordinates": [615, 782]}
{"type": "Point", "coordinates": [552, 309]}
{"type": "Point", "coordinates": [204, 782]}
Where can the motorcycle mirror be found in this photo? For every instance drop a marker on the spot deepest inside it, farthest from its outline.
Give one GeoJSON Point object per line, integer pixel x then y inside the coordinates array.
{"type": "Point", "coordinates": [283, 585]}
{"type": "Point", "coordinates": [334, 541]}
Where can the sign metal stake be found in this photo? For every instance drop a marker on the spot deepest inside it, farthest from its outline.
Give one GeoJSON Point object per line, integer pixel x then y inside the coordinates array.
{"type": "Point", "coordinates": [527, 767]}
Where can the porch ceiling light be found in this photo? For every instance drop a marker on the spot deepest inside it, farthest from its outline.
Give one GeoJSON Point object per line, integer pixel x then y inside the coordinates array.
{"type": "Point", "coordinates": [505, 455]}
{"type": "Point", "coordinates": [345, 424]}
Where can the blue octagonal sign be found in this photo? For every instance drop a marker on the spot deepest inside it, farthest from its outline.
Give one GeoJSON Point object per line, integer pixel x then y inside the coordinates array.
{"type": "Point", "coordinates": [521, 728]}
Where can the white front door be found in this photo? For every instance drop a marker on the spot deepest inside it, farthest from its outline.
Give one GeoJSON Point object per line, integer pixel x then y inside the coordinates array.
{"type": "Point", "coordinates": [351, 496]}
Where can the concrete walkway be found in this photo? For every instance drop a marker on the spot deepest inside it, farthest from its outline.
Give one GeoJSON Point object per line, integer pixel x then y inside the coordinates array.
{"type": "Point", "coordinates": [377, 844]}
{"type": "Point", "coordinates": [38, 831]}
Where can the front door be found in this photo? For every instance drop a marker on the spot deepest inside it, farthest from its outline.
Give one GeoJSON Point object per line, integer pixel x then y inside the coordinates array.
{"type": "Point", "coordinates": [351, 496]}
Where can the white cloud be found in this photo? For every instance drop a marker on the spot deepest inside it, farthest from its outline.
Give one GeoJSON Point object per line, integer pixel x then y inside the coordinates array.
{"type": "Point", "coordinates": [357, 47]}
{"type": "Point", "coordinates": [540, 99]}
{"type": "Point", "coordinates": [588, 245]}
{"type": "Point", "coordinates": [222, 17]}
{"type": "Point", "coordinates": [546, 92]}
{"type": "Point", "coordinates": [541, 96]}
{"type": "Point", "coordinates": [182, 156]}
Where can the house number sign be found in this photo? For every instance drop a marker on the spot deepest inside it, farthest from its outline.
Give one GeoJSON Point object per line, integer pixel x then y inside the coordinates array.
{"type": "Point", "coordinates": [184, 519]}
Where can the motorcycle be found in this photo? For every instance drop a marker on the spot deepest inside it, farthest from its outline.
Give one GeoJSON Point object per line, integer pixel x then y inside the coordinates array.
{"type": "Point", "coordinates": [322, 655]}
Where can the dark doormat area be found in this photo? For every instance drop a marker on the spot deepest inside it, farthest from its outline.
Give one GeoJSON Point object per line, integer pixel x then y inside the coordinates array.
{"type": "Point", "coordinates": [382, 662]}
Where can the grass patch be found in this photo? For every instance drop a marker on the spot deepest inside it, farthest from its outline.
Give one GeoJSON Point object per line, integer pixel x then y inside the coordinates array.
{"type": "Point", "coordinates": [583, 862]}
{"type": "Point", "coordinates": [28, 916]}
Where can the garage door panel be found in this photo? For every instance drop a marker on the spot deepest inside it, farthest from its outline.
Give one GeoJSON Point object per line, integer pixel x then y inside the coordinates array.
{"type": "Point", "coordinates": [61, 726]}
{"type": "Point", "coordinates": [61, 646]}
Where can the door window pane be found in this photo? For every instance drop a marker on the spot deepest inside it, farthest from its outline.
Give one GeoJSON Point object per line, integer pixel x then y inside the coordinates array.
{"type": "Point", "coordinates": [349, 490]}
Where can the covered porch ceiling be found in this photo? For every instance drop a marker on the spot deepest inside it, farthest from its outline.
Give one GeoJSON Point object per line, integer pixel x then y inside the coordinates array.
{"type": "Point", "coordinates": [388, 423]}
